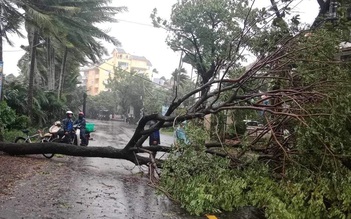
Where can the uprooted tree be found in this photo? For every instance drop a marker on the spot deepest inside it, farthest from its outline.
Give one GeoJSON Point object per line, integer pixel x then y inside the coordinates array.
{"type": "Point", "coordinates": [300, 89]}
{"type": "Point", "coordinates": [226, 86]}
{"type": "Point", "coordinates": [303, 81]}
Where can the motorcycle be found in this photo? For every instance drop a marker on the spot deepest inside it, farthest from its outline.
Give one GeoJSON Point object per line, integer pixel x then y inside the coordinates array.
{"type": "Point", "coordinates": [74, 137]}
{"type": "Point", "coordinates": [86, 136]}
{"type": "Point", "coordinates": [50, 136]}
{"type": "Point", "coordinates": [53, 132]}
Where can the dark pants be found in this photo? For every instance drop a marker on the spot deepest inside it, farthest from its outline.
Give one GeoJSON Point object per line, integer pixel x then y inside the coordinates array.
{"type": "Point", "coordinates": [83, 137]}
{"type": "Point", "coordinates": [68, 137]}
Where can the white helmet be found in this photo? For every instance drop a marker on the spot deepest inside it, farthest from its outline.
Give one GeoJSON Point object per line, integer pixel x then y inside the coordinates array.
{"type": "Point", "coordinates": [69, 112]}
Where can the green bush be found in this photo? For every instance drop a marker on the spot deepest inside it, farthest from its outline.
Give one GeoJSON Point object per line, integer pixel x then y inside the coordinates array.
{"type": "Point", "coordinates": [7, 115]}
{"type": "Point", "coordinates": [10, 120]}
{"type": "Point", "coordinates": [205, 183]}
{"type": "Point", "coordinates": [10, 136]}
{"type": "Point", "coordinates": [239, 128]}
{"type": "Point", "coordinates": [21, 122]}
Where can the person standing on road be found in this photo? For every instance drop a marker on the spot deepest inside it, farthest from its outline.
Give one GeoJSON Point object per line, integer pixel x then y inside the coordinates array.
{"type": "Point", "coordinates": [181, 135]}
{"type": "Point", "coordinates": [154, 138]}
{"type": "Point", "coordinates": [82, 126]}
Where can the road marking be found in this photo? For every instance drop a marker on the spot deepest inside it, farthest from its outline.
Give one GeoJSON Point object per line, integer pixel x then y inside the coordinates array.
{"type": "Point", "coordinates": [211, 216]}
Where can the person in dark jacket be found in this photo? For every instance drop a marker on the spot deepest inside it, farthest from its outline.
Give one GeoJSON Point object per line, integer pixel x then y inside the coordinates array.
{"type": "Point", "coordinates": [154, 138]}
{"type": "Point", "coordinates": [67, 126]}
{"type": "Point", "coordinates": [81, 122]}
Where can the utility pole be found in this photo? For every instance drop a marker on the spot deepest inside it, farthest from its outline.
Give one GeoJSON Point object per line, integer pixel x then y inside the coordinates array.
{"type": "Point", "coordinates": [2, 78]}
{"type": "Point", "coordinates": [84, 103]}
{"type": "Point", "coordinates": [176, 82]}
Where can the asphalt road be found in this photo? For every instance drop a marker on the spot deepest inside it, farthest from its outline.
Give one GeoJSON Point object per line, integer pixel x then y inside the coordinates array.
{"type": "Point", "coordinates": [77, 187]}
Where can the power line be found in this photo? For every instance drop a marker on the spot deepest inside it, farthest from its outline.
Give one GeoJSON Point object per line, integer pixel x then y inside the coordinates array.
{"type": "Point", "coordinates": [137, 76]}
{"type": "Point", "coordinates": [20, 50]}
{"type": "Point", "coordinates": [137, 23]}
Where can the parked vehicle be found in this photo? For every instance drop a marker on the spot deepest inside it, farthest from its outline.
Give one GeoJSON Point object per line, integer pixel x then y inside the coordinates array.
{"type": "Point", "coordinates": [254, 129]}
{"type": "Point", "coordinates": [252, 125]}
{"type": "Point", "coordinates": [33, 138]}
{"type": "Point", "coordinates": [104, 115]}
{"type": "Point", "coordinates": [53, 132]}
{"type": "Point", "coordinates": [51, 135]}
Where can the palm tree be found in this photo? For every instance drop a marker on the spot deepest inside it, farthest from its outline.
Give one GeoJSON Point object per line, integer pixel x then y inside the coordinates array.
{"type": "Point", "coordinates": [82, 34]}
{"type": "Point", "coordinates": [71, 24]}
{"type": "Point", "coordinates": [10, 23]}
{"type": "Point", "coordinates": [179, 77]}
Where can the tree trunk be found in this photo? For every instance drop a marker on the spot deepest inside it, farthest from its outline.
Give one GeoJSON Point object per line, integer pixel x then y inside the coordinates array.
{"type": "Point", "coordinates": [32, 75]}
{"type": "Point", "coordinates": [80, 151]}
{"type": "Point", "coordinates": [63, 66]}
{"type": "Point", "coordinates": [1, 62]}
{"type": "Point", "coordinates": [50, 72]}
{"type": "Point", "coordinates": [53, 68]}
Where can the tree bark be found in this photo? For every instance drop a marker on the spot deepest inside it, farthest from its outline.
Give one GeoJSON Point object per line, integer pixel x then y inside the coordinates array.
{"type": "Point", "coordinates": [50, 66]}
{"type": "Point", "coordinates": [323, 10]}
{"type": "Point", "coordinates": [32, 75]}
{"type": "Point", "coordinates": [1, 41]}
{"type": "Point", "coordinates": [1, 61]}
{"type": "Point", "coordinates": [63, 67]}
{"type": "Point", "coordinates": [53, 68]}
{"type": "Point", "coordinates": [80, 151]}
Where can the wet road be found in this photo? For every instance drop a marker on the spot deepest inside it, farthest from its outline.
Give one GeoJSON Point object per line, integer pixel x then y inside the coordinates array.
{"type": "Point", "coordinates": [109, 188]}
{"type": "Point", "coordinates": [76, 187]}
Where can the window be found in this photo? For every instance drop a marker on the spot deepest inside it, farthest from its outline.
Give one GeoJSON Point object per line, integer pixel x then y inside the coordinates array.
{"type": "Point", "coordinates": [123, 65]}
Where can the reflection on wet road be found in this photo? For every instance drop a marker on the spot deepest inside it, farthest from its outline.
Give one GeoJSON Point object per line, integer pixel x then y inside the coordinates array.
{"type": "Point", "coordinates": [80, 188]}
{"type": "Point", "coordinates": [107, 188]}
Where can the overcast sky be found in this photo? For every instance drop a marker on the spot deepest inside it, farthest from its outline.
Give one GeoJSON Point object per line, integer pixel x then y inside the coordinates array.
{"type": "Point", "coordinates": [139, 37]}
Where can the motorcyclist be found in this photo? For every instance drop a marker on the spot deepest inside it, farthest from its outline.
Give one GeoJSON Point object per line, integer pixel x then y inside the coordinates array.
{"type": "Point", "coordinates": [67, 126]}
{"type": "Point", "coordinates": [81, 123]}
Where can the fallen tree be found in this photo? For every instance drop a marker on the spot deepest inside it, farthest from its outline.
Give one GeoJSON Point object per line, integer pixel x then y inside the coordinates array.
{"type": "Point", "coordinates": [73, 150]}
{"type": "Point", "coordinates": [288, 102]}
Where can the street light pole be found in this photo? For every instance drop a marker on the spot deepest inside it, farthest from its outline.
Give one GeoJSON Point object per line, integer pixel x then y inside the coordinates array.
{"type": "Point", "coordinates": [176, 80]}
{"type": "Point", "coordinates": [84, 103]}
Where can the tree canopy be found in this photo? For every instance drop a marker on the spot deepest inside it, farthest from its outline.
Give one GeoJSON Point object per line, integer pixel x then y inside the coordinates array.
{"type": "Point", "coordinates": [211, 33]}
{"type": "Point", "coordinates": [295, 163]}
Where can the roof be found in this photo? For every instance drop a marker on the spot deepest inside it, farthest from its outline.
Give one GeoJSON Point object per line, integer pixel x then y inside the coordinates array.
{"type": "Point", "coordinates": [141, 58]}
{"type": "Point", "coordinates": [120, 50]}
{"type": "Point", "coordinates": [88, 68]}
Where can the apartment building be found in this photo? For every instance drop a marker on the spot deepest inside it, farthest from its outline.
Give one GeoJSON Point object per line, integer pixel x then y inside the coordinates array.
{"type": "Point", "coordinates": [95, 77]}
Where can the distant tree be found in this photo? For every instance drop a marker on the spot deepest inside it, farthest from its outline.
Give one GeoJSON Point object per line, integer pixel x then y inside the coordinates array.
{"type": "Point", "coordinates": [211, 33]}
{"type": "Point", "coordinates": [104, 101]}
{"type": "Point", "coordinates": [69, 28]}
{"type": "Point", "coordinates": [179, 75]}
{"type": "Point", "coordinates": [130, 89]}
{"type": "Point", "coordinates": [11, 21]}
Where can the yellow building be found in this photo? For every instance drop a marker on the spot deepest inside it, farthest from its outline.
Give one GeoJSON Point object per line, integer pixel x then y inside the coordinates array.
{"type": "Point", "coordinates": [96, 77]}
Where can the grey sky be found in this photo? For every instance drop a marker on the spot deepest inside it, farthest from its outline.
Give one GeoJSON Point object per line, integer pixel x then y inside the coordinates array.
{"type": "Point", "coordinates": [138, 37]}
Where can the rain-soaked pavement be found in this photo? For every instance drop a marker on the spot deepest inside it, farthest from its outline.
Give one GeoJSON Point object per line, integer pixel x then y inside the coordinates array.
{"type": "Point", "coordinates": [76, 187]}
